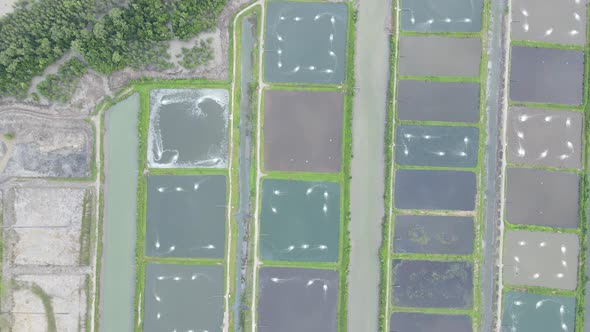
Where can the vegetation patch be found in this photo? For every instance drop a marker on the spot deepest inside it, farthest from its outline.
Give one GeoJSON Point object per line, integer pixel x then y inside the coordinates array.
{"type": "Point", "coordinates": [61, 86]}
{"type": "Point", "coordinates": [197, 55]}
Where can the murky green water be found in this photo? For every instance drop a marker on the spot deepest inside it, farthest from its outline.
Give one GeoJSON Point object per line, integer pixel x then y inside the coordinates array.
{"type": "Point", "coordinates": [305, 42]}
{"type": "Point", "coordinates": [120, 192]}
{"type": "Point", "coordinates": [526, 312]}
{"type": "Point", "coordinates": [300, 220]}
{"type": "Point", "coordinates": [183, 298]}
{"type": "Point", "coordinates": [188, 128]}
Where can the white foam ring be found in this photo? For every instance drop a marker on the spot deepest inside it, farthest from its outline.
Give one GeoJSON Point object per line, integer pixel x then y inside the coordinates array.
{"type": "Point", "coordinates": [161, 97]}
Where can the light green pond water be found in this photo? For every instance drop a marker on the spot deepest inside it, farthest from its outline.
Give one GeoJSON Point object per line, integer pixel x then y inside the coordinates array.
{"type": "Point", "coordinates": [120, 192]}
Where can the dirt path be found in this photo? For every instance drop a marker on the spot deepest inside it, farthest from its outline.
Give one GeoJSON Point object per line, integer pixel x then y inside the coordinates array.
{"type": "Point", "coordinates": [391, 182]}
{"type": "Point", "coordinates": [367, 169]}
{"type": "Point", "coordinates": [493, 177]}
{"type": "Point", "coordinates": [259, 174]}
{"type": "Point", "coordinates": [504, 111]}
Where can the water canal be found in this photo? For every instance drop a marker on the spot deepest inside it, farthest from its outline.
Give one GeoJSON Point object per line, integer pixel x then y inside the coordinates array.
{"type": "Point", "coordinates": [367, 168]}
{"type": "Point", "coordinates": [248, 40]}
{"type": "Point", "coordinates": [120, 190]}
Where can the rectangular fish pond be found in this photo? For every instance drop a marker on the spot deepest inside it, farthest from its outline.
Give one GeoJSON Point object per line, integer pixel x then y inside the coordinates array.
{"type": "Point", "coordinates": [546, 75]}
{"type": "Point", "coordinates": [297, 299]}
{"type": "Point", "coordinates": [438, 101]}
{"type": "Point", "coordinates": [542, 198]}
{"type": "Point", "coordinates": [305, 42]}
{"type": "Point", "coordinates": [542, 259]}
{"type": "Point", "coordinates": [550, 21]}
{"type": "Point", "coordinates": [188, 128]}
{"type": "Point", "coordinates": [433, 234]}
{"type": "Point", "coordinates": [441, 15]}
{"type": "Point", "coordinates": [186, 216]}
{"type": "Point", "coordinates": [300, 220]}
{"type": "Point", "coordinates": [421, 322]}
{"type": "Point", "coordinates": [432, 284]}
{"type": "Point", "coordinates": [435, 190]}
{"type": "Point", "coordinates": [439, 56]}
{"type": "Point", "coordinates": [183, 298]}
{"type": "Point", "coordinates": [303, 130]}
{"type": "Point", "coordinates": [545, 137]}
{"type": "Point", "coordinates": [528, 312]}
{"type": "Point", "coordinates": [442, 146]}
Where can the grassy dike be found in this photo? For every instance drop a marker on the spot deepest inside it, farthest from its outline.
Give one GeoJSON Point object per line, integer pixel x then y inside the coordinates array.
{"type": "Point", "coordinates": [387, 222]}
{"type": "Point", "coordinates": [386, 252]}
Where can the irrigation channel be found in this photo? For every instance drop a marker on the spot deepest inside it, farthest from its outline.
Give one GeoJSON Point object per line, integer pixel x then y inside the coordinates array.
{"type": "Point", "coordinates": [367, 168]}
{"type": "Point", "coordinates": [118, 262]}
{"type": "Point", "coordinates": [248, 40]}
{"type": "Point", "coordinates": [493, 179]}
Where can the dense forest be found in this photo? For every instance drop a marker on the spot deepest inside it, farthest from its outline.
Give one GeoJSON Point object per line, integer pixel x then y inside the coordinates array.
{"type": "Point", "coordinates": [109, 34]}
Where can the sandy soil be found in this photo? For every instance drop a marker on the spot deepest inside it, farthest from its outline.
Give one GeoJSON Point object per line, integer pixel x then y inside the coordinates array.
{"type": "Point", "coordinates": [68, 298]}
{"type": "Point", "coordinates": [42, 227]}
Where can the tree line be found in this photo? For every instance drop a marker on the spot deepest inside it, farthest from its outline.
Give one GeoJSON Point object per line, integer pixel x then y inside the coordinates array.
{"type": "Point", "coordinates": [110, 35]}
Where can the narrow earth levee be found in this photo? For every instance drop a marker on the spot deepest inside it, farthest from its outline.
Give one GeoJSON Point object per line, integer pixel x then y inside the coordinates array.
{"type": "Point", "coordinates": [493, 166]}
{"type": "Point", "coordinates": [368, 163]}
{"type": "Point", "coordinates": [120, 192]}
{"type": "Point", "coordinates": [248, 39]}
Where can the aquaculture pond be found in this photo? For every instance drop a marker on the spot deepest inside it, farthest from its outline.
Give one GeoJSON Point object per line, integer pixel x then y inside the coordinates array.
{"type": "Point", "coordinates": [545, 137]}
{"type": "Point", "coordinates": [305, 42]}
{"type": "Point", "coordinates": [527, 312]}
{"type": "Point", "coordinates": [439, 56]}
{"type": "Point", "coordinates": [188, 128]}
{"type": "Point", "coordinates": [300, 220]}
{"type": "Point", "coordinates": [435, 190]}
{"type": "Point", "coordinates": [543, 198]}
{"type": "Point", "coordinates": [433, 234]}
{"type": "Point", "coordinates": [546, 75]}
{"type": "Point", "coordinates": [549, 21]}
{"type": "Point", "coordinates": [541, 259]}
{"type": "Point", "coordinates": [303, 130]}
{"type": "Point", "coordinates": [436, 146]}
{"type": "Point", "coordinates": [441, 15]}
{"type": "Point", "coordinates": [186, 216]}
{"type": "Point", "coordinates": [117, 282]}
{"type": "Point", "coordinates": [297, 299]}
{"type": "Point", "coordinates": [183, 298]}
{"type": "Point", "coordinates": [438, 101]}
{"type": "Point", "coordinates": [432, 284]}
{"type": "Point", "coordinates": [421, 322]}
